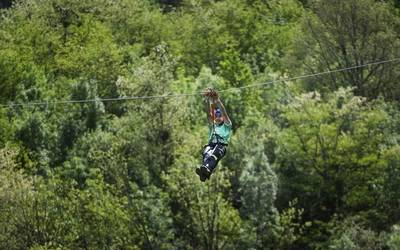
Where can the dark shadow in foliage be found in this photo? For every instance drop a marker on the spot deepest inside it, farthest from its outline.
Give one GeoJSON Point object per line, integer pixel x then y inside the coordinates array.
{"type": "Point", "coordinates": [5, 4]}
{"type": "Point", "coordinates": [67, 17]}
{"type": "Point", "coordinates": [170, 5]}
{"type": "Point", "coordinates": [33, 137]}
{"type": "Point", "coordinates": [32, 134]}
{"type": "Point", "coordinates": [69, 133]}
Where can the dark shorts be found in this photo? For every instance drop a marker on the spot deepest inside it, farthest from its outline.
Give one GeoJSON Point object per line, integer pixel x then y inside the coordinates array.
{"type": "Point", "coordinates": [213, 153]}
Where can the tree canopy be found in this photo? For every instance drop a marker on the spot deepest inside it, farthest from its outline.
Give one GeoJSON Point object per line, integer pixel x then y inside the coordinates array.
{"type": "Point", "coordinates": [313, 162]}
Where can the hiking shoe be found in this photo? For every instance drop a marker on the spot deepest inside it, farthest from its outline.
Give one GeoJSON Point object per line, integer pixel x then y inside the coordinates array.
{"type": "Point", "coordinates": [203, 172]}
{"type": "Point", "coordinates": [202, 178]}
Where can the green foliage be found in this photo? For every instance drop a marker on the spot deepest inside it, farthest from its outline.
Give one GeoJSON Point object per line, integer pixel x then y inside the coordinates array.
{"type": "Point", "coordinates": [16, 191]}
{"type": "Point", "coordinates": [151, 219]}
{"type": "Point", "coordinates": [332, 146]}
{"type": "Point", "coordinates": [340, 34]}
{"type": "Point", "coordinates": [258, 187]}
{"type": "Point", "coordinates": [391, 181]}
{"type": "Point", "coordinates": [291, 229]}
{"type": "Point", "coordinates": [90, 53]}
{"type": "Point", "coordinates": [394, 238]}
{"type": "Point", "coordinates": [32, 132]}
{"type": "Point", "coordinates": [56, 214]}
{"type": "Point", "coordinates": [248, 27]}
{"type": "Point", "coordinates": [204, 218]}
{"type": "Point", "coordinates": [350, 235]}
{"type": "Point", "coordinates": [6, 130]}
{"type": "Point", "coordinates": [302, 171]}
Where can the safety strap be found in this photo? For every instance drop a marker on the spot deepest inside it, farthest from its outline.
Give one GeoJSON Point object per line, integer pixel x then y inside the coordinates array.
{"type": "Point", "coordinates": [210, 152]}
{"type": "Point", "coordinates": [212, 111]}
{"type": "Point", "coordinates": [220, 140]}
{"type": "Point", "coordinates": [212, 115]}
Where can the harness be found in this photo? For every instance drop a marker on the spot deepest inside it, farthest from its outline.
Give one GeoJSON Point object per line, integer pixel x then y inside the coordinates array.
{"type": "Point", "coordinates": [220, 140]}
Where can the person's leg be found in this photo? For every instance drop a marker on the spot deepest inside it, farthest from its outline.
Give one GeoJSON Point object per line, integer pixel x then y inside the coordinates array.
{"type": "Point", "coordinates": [206, 153]}
{"type": "Point", "coordinates": [215, 155]}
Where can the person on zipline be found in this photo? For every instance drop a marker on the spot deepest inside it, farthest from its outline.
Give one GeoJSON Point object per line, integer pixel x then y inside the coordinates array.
{"type": "Point", "coordinates": [220, 129]}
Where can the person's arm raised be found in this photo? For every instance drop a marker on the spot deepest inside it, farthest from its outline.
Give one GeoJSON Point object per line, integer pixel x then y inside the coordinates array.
{"type": "Point", "coordinates": [224, 113]}
{"type": "Point", "coordinates": [209, 105]}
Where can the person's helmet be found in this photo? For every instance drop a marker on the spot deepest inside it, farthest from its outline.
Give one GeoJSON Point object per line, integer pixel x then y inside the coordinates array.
{"type": "Point", "coordinates": [218, 112]}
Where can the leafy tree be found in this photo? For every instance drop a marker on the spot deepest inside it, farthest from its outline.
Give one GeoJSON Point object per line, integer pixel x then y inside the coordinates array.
{"type": "Point", "coordinates": [203, 217]}
{"type": "Point", "coordinates": [350, 235]}
{"type": "Point", "coordinates": [155, 116]}
{"type": "Point", "coordinates": [138, 26]}
{"type": "Point", "coordinates": [394, 238]}
{"type": "Point", "coordinates": [6, 129]}
{"type": "Point", "coordinates": [16, 191]}
{"type": "Point", "coordinates": [209, 28]}
{"type": "Point", "coordinates": [302, 171]}
{"type": "Point", "coordinates": [100, 216]}
{"type": "Point", "coordinates": [328, 156]}
{"type": "Point", "coordinates": [390, 183]}
{"type": "Point", "coordinates": [151, 219]}
{"type": "Point", "coordinates": [52, 213]}
{"type": "Point", "coordinates": [34, 137]}
{"type": "Point", "coordinates": [340, 34]}
{"type": "Point", "coordinates": [90, 53]}
{"type": "Point", "coordinates": [258, 186]}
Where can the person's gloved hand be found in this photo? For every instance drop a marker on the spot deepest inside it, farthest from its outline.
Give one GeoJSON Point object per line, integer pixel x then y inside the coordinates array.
{"type": "Point", "coordinates": [211, 93]}
{"type": "Point", "coordinates": [215, 95]}
{"type": "Point", "coordinates": [208, 92]}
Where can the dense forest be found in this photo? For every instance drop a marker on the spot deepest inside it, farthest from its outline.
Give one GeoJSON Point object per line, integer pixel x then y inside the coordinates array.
{"type": "Point", "coordinates": [311, 86]}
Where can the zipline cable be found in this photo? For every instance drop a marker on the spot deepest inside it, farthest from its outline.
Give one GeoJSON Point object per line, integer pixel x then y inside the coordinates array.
{"type": "Point", "coordinates": [312, 75]}
{"type": "Point", "coordinates": [46, 103]}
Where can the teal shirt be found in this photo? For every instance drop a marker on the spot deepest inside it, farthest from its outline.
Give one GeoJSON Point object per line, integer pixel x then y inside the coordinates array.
{"type": "Point", "coordinates": [223, 131]}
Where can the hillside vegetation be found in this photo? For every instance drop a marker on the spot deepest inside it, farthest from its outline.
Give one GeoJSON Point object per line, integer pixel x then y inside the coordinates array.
{"type": "Point", "coordinates": [313, 163]}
